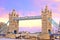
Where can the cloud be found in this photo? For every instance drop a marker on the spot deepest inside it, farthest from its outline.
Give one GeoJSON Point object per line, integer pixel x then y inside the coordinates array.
{"type": "Point", "coordinates": [56, 0]}
{"type": "Point", "coordinates": [3, 12]}
{"type": "Point", "coordinates": [33, 13]}
{"type": "Point", "coordinates": [30, 23]}
{"type": "Point", "coordinates": [3, 20]}
{"type": "Point", "coordinates": [20, 13]}
{"type": "Point", "coordinates": [58, 8]}
{"type": "Point", "coordinates": [40, 2]}
{"type": "Point", "coordinates": [34, 29]}
{"type": "Point", "coordinates": [3, 15]}
{"type": "Point", "coordinates": [28, 13]}
{"type": "Point", "coordinates": [56, 17]}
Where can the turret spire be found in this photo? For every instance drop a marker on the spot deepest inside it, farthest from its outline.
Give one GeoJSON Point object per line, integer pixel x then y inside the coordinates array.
{"type": "Point", "coordinates": [13, 11]}
{"type": "Point", "coordinates": [46, 8]}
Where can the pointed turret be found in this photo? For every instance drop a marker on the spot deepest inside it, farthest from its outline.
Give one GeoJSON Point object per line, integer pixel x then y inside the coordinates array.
{"type": "Point", "coordinates": [13, 11]}
{"type": "Point", "coordinates": [46, 8]}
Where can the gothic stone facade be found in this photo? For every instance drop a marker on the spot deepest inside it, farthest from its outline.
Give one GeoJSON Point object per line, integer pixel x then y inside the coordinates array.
{"type": "Point", "coordinates": [46, 25]}
{"type": "Point", "coordinates": [13, 24]}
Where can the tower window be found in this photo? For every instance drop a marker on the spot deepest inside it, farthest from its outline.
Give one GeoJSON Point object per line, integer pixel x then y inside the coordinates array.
{"type": "Point", "coordinates": [15, 31]}
{"type": "Point", "coordinates": [14, 14]}
{"type": "Point", "coordinates": [49, 31]}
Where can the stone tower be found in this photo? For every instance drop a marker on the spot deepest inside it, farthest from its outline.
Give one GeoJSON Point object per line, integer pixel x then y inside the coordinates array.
{"type": "Point", "coordinates": [46, 25]}
{"type": "Point", "coordinates": [13, 24]}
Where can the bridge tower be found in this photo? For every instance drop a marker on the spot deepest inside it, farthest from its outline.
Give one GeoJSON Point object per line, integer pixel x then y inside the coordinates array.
{"type": "Point", "coordinates": [13, 24]}
{"type": "Point", "coordinates": [46, 25]}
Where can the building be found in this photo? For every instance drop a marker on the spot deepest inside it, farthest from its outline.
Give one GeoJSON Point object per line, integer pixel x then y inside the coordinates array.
{"type": "Point", "coordinates": [27, 36]}
{"type": "Point", "coordinates": [3, 28]}
{"type": "Point", "coordinates": [46, 25]}
{"type": "Point", "coordinates": [1, 23]}
{"type": "Point", "coordinates": [13, 24]}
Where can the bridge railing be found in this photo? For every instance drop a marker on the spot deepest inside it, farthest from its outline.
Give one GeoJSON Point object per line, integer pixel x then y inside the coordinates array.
{"type": "Point", "coordinates": [28, 18]}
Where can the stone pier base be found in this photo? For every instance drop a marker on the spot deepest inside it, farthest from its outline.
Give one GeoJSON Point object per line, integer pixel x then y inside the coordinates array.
{"type": "Point", "coordinates": [10, 36]}
{"type": "Point", "coordinates": [44, 36]}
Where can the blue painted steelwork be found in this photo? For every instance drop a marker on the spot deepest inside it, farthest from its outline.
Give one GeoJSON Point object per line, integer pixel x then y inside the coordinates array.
{"type": "Point", "coordinates": [56, 25]}
{"type": "Point", "coordinates": [53, 22]}
{"type": "Point", "coordinates": [3, 27]}
{"type": "Point", "coordinates": [28, 18]}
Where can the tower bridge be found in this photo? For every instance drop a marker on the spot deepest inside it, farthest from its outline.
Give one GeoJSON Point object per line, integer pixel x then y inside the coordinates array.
{"type": "Point", "coordinates": [46, 18]}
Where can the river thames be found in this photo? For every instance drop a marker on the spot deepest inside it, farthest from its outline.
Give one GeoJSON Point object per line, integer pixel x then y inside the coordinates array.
{"type": "Point", "coordinates": [16, 39]}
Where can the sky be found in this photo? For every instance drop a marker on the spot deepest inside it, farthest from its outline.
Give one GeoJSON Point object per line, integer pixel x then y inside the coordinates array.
{"type": "Point", "coordinates": [29, 8]}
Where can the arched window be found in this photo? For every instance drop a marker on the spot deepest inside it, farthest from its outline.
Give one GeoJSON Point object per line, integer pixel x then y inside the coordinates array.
{"type": "Point", "coordinates": [49, 31]}
{"type": "Point", "coordinates": [15, 32]}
